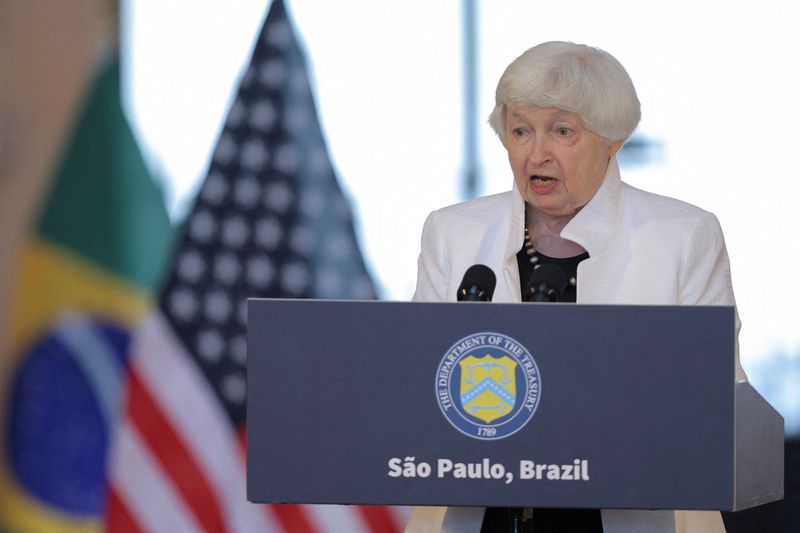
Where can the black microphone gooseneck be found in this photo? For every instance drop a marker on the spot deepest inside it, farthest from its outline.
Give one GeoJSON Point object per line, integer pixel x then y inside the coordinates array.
{"type": "Point", "coordinates": [478, 285]}
{"type": "Point", "coordinates": [546, 284]}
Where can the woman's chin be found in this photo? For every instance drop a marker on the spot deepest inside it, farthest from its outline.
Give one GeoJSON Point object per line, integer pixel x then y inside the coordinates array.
{"type": "Point", "coordinates": [551, 207]}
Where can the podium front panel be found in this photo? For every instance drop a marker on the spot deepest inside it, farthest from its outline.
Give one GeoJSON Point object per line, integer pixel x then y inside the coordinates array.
{"type": "Point", "coordinates": [556, 405]}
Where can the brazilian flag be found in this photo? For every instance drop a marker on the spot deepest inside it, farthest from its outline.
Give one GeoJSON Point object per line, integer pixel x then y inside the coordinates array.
{"type": "Point", "coordinates": [92, 260]}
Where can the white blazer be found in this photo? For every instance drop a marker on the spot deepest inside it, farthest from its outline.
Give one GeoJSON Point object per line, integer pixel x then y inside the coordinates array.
{"type": "Point", "coordinates": [643, 249]}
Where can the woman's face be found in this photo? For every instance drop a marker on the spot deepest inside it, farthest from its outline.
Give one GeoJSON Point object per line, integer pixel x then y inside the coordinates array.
{"type": "Point", "coordinates": [558, 164]}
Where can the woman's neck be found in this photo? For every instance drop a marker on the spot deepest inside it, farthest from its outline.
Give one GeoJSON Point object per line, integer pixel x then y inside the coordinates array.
{"type": "Point", "coordinates": [545, 232]}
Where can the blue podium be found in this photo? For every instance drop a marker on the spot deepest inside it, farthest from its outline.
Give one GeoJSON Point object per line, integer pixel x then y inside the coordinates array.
{"type": "Point", "coordinates": [517, 405]}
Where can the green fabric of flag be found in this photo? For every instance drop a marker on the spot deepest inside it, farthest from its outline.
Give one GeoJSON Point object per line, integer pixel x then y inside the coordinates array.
{"type": "Point", "coordinates": [103, 205]}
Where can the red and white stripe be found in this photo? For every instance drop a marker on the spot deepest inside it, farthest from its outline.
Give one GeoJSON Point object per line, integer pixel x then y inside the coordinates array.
{"type": "Point", "coordinates": [177, 463]}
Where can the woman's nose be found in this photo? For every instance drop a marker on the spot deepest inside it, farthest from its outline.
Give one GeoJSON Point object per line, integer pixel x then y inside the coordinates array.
{"type": "Point", "coordinates": [540, 150]}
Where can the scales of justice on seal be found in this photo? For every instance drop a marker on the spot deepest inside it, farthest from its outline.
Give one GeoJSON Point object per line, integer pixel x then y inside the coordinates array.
{"type": "Point", "coordinates": [599, 406]}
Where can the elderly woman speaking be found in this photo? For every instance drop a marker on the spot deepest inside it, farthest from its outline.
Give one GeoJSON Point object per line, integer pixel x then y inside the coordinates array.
{"type": "Point", "coordinates": [562, 112]}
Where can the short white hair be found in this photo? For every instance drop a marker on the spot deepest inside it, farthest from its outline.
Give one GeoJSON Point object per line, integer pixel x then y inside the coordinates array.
{"type": "Point", "coordinates": [573, 77]}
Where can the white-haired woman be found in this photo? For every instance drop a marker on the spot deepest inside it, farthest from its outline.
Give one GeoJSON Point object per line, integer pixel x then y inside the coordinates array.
{"type": "Point", "coordinates": [562, 112]}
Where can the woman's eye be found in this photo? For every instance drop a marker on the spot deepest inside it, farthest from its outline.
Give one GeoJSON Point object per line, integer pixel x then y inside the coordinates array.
{"type": "Point", "coordinates": [563, 131]}
{"type": "Point", "coordinates": [518, 132]}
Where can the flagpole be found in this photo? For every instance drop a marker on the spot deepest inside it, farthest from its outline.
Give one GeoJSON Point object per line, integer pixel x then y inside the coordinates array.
{"type": "Point", "coordinates": [471, 172]}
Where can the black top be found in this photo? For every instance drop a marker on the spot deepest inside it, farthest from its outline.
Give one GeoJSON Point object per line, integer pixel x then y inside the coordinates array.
{"type": "Point", "coordinates": [569, 265]}
{"type": "Point", "coordinates": [502, 519]}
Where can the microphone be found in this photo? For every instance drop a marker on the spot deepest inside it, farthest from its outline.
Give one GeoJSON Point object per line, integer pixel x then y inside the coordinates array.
{"type": "Point", "coordinates": [546, 284]}
{"type": "Point", "coordinates": [478, 285]}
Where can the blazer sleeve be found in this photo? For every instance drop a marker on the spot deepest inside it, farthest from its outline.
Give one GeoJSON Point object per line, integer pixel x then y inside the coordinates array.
{"type": "Point", "coordinates": [706, 276]}
{"type": "Point", "coordinates": [432, 279]}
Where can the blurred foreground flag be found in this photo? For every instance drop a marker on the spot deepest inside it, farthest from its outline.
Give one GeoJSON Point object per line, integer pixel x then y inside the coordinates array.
{"type": "Point", "coordinates": [269, 221]}
{"type": "Point", "coordinates": [84, 280]}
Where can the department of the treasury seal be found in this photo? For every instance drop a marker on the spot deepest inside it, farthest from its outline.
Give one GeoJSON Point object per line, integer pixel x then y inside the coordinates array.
{"type": "Point", "coordinates": [488, 386]}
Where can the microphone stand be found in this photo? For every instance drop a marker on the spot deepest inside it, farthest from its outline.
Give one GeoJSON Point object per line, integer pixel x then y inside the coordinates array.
{"type": "Point", "coordinates": [547, 288]}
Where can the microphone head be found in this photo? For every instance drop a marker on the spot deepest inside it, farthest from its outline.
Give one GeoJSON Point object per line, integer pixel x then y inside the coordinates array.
{"type": "Point", "coordinates": [478, 285]}
{"type": "Point", "coordinates": [546, 284]}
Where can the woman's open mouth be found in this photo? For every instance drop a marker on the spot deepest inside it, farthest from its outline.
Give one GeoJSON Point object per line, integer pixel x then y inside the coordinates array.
{"type": "Point", "coordinates": [542, 184]}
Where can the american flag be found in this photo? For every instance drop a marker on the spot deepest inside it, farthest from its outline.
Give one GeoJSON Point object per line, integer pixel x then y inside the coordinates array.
{"type": "Point", "coordinates": [269, 221]}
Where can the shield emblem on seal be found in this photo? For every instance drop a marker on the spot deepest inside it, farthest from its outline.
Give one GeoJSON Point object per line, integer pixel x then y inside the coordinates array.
{"type": "Point", "coordinates": [488, 386]}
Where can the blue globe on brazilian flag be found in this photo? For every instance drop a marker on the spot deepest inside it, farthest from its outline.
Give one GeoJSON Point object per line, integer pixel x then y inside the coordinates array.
{"type": "Point", "coordinates": [84, 278]}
